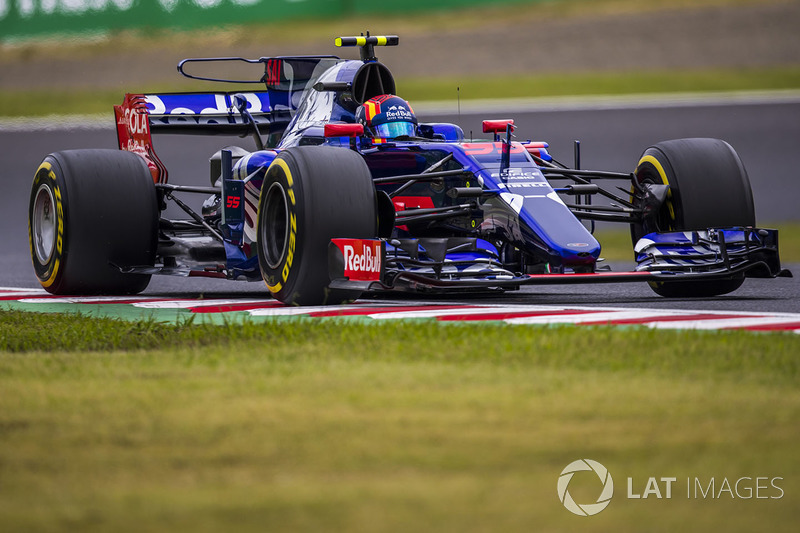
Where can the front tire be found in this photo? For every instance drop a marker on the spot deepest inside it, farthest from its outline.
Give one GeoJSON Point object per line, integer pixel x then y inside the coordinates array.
{"type": "Point", "coordinates": [310, 195]}
{"type": "Point", "coordinates": [90, 210]}
{"type": "Point", "coordinates": [709, 188]}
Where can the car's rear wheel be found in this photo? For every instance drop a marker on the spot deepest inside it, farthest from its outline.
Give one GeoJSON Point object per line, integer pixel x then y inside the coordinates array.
{"type": "Point", "coordinates": [310, 195]}
{"type": "Point", "coordinates": [90, 212]}
{"type": "Point", "coordinates": [708, 188]}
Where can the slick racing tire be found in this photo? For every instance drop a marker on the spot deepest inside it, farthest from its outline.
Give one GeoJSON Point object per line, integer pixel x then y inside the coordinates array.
{"type": "Point", "coordinates": [708, 188]}
{"type": "Point", "coordinates": [90, 212]}
{"type": "Point", "coordinates": [310, 195]}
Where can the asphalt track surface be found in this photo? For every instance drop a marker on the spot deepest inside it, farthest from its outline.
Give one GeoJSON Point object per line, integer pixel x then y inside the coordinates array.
{"type": "Point", "coordinates": [765, 133]}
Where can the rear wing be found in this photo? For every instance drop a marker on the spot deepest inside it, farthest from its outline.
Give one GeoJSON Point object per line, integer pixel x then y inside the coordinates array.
{"type": "Point", "coordinates": [218, 113]}
{"type": "Point", "coordinates": [213, 113]}
{"type": "Point", "coordinates": [232, 113]}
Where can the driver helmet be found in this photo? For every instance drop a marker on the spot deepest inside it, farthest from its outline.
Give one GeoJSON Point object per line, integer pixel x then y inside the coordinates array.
{"type": "Point", "coordinates": [387, 117]}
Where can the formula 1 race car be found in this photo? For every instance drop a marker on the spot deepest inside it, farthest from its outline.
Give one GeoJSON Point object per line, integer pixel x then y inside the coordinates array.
{"type": "Point", "coordinates": [348, 192]}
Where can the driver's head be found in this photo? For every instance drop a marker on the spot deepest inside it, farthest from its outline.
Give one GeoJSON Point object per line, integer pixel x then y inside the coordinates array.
{"type": "Point", "coordinates": [387, 117]}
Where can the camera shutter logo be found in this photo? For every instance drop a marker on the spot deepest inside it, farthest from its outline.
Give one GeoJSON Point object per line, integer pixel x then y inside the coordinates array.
{"type": "Point", "coordinates": [585, 509]}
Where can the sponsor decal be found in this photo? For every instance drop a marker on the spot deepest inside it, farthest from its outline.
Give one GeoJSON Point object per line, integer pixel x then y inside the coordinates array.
{"type": "Point", "coordinates": [133, 134]}
{"type": "Point", "coordinates": [362, 258]}
{"type": "Point", "coordinates": [398, 113]}
{"type": "Point", "coordinates": [519, 174]}
{"type": "Point", "coordinates": [490, 148]}
{"type": "Point", "coordinates": [523, 184]}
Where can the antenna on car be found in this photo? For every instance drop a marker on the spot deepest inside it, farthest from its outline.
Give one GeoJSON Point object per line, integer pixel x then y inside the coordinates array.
{"type": "Point", "coordinates": [368, 44]}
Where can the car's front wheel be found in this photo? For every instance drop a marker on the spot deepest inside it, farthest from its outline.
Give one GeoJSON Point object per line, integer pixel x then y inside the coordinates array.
{"type": "Point", "coordinates": [310, 195]}
{"type": "Point", "coordinates": [708, 188]}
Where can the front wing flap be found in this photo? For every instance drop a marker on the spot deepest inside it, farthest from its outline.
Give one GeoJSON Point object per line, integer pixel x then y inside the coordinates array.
{"type": "Point", "coordinates": [714, 251]}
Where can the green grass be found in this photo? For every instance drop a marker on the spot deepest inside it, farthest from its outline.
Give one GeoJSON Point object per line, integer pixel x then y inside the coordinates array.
{"type": "Point", "coordinates": [339, 426]}
{"type": "Point", "coordinates": [91, 101]}
{"type": "Point", "coordinates": [616, 243]}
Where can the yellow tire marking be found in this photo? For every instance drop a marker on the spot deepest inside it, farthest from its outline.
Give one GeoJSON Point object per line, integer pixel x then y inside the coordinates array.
{"type": "Point", "coordinates": [59, 226]}
{"type": "Point", "coordinates": [52, 277]}
{"type": "Point", "coordinates": [281, 163]}
{"type": "Point", "coordinates": [657, 165]}
{"type": "Point", "coordinates": [274, 288]}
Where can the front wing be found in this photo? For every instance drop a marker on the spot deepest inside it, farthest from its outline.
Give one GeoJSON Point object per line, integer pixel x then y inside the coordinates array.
{"type": "Point", "coordinates": [714, 254]}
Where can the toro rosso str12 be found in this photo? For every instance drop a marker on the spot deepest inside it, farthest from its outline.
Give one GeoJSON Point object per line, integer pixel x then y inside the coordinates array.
{"type": "Point", "coordinates": [347, 192]}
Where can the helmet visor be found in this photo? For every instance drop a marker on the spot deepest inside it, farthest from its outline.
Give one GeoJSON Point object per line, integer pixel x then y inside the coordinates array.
{"type": "Point", "coordinates": [390, 130]}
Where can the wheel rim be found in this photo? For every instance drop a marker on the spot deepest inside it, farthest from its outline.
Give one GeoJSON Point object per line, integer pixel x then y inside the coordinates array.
{"type": "Point", "coordinates": [44, 224]}
{"type": "Point", "coordinates": [661, 220]}
{"type": "Point", "coordinates": [275, 225]}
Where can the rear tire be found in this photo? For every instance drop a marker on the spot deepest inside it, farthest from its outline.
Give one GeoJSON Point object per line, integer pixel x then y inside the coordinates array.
{"type": "Point", "coordinates": [310, 195]}
{"type": "Point", "coordinates": [709, 188]}
{"type": "Point", "coordinates": [90, 210]}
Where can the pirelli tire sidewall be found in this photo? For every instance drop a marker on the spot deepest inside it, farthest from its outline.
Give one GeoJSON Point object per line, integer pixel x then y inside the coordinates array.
{"type": "Point", "coordinates": [105, 217]}
{"type": "Point", "coordinates": [49, 270]}
{"type": "Point", "coordinates": [278, 227]}
{"type": "Point", "coordinates": [326, 193]}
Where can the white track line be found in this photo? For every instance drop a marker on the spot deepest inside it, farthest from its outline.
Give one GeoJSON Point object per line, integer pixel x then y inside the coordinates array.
{"type": "Point", "coordinates": [475, 310]}
{"type": "Point", "coordinates": [187, 303]}
{"type": "Point", "coordinates": [86, 299]}
{"type": "Point", "coordinates": [725, 323]}
{"type": "Point", "coordinates": [280, 310]}
{"type": "Point", "coordinates": [477, 107]}
{"type": "Point", "coordinates": [104, 121]}
{"type": "Point", "coordinates": [21, 294]}
{"type": "Point", "coordinates": [595, 318]}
